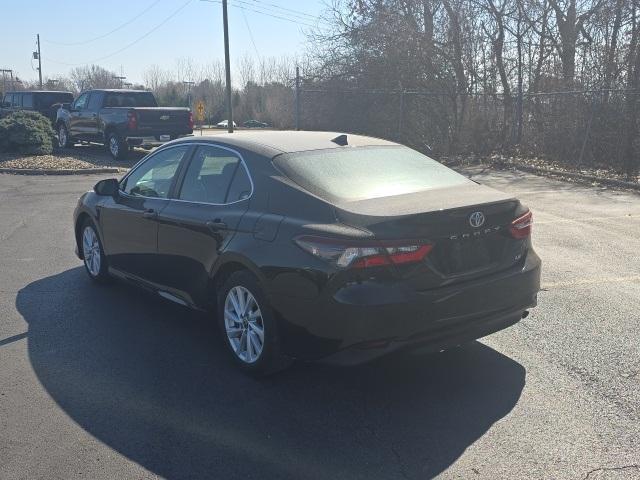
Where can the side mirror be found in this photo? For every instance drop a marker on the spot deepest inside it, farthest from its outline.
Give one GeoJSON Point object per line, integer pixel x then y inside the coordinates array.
{"type": "Point", "coordinates": [109, 187]}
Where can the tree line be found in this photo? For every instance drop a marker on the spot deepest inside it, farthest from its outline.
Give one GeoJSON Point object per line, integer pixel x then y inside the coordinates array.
{"type": "Point", "coordinates": [556, 78]}
{"type": "Point", "coordinates": [476, 73]}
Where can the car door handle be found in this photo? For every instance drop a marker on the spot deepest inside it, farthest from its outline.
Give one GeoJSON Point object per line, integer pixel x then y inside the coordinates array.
{"type": "Point", "coordinates": [216, 224]}
{"type": "Point", "coordinates": [150, 213]}
{"type": "Point", "coordinates": [94, 115]}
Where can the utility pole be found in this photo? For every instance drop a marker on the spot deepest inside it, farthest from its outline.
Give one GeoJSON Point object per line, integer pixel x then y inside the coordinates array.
{"type": "Point", "coordinates": [189, 84]}
{"type": "Point", "coordinates": [39, 61]}
{"type": "Point", "coordinates": [121, 78]}
{"type": "Point", "coordinates": [227, 66]}
{"type": "Point", "coordinates": [297, 98]}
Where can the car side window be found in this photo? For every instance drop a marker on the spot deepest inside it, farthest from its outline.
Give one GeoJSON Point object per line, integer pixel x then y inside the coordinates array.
{"type": "Point", "coordinates": [8, 99]}
{"type": "Point", "coordinates": [17, 99]}
{"type": "Point", "coordinates": [95, 101]}
{"type": "Point", "coordinates": [81, 102]}
{"type": "Point", "coordinates": [154, 177]}
{"type": "Point", "coordinates": [209, 175]}
{"type": "Point", "coordinates": [240, 186]}
{"type": "Point", "coordinates": [27, 100]}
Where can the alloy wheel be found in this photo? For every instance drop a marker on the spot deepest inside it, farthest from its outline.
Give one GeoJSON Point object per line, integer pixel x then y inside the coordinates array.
{"type": "Point", "coordinates": [244, 324]}
{"type": "Point", "coordinates": [62, 137]}
{"type": "Point", "coordinates": [113, 146]}
{"type": "Point", "coordinates": [91, 251]}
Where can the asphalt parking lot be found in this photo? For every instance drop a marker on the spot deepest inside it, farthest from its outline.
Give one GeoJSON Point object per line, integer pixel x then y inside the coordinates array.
{"type": "Point", "coordinates": [109, 382]}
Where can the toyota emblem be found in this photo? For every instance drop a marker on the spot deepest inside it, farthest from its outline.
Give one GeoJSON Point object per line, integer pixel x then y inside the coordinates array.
{"type": "Point", "coordinates": [476, 219]}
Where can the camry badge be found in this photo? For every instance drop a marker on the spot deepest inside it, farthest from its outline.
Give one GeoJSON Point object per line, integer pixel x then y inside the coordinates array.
{"type": "Point", "coordinates": [164, 117]}
{"type": "Point", "coordinates": [476, 219]}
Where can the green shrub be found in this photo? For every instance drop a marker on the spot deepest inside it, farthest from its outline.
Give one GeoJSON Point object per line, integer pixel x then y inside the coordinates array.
{"type": "Point", "coordinates": [26, 132]}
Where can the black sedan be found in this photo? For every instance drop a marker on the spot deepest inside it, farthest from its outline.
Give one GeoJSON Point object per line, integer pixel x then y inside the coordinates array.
{"type": "Point", "coordinates": [311, 245]}
{"type": "Point", "coordinates": [255, 124]}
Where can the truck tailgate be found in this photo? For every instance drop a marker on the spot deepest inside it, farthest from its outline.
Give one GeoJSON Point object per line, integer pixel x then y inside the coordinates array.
{"type": "Point", "coordinates": [162, 120]}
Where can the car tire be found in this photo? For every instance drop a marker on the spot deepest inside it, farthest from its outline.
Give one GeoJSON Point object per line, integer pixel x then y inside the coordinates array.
{"type": "Point", "coordinates": [117, 147]}
{"type": "Point", "coordinates": [94, 259]}
{"type": "Point", "coordinates": [64, 141]}
{"type": "Point", "coordinates": [241, 327]}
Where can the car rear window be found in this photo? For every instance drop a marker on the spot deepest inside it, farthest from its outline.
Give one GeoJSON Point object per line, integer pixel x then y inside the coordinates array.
{"type": "Point", "coordinates": [130, 99]}
{"type": "Point", "coordinates": [353, 174]}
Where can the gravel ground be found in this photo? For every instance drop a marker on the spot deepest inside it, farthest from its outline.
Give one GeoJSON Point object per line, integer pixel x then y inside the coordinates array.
{"type": "Point", "coordinates": [77, 158]}
{"type": "Point", "coordinates": [502, 162]}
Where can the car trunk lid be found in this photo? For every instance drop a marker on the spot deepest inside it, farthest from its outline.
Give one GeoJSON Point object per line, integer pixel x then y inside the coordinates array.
{"type": "Point", "coordinates": [442, 217]}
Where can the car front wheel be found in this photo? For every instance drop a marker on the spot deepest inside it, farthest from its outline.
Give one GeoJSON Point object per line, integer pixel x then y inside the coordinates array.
{"type": "Point", "coordinates": [95, 262]}
{"type": "Point", "coordinates": [248, 326]}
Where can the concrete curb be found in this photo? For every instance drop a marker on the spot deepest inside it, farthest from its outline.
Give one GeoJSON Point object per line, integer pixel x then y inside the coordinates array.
{"type": "Point", "coordinates": [578, 176]}
{"type": "Point", "coordinates": [39, 171]}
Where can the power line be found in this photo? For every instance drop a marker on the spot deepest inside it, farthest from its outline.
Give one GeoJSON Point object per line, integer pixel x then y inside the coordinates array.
{"type": "Point", "coordinates": [120, 27]}
{"type": "Point", "coordinates": [173, 14]}
{"type": "Point", "coordinates": [297, 21]}
{"type": "Point", "coordinates": [250, 34]}
{"type": "Point", "coordinates": [271, 7]}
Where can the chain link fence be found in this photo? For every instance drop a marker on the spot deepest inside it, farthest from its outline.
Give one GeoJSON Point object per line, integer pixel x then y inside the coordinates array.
{"type": "Point", "coordinates": [592, 128]}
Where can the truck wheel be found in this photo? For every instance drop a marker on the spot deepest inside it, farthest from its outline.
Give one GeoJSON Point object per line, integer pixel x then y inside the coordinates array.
{"type": "Point", "coordinates": [63, 137]}
{"type": "Point", "coordinates": [117, 147]}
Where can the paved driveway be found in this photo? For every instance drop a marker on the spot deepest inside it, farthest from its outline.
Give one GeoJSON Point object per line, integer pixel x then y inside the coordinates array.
{"type": "Point", "coordinates": [109, 382]}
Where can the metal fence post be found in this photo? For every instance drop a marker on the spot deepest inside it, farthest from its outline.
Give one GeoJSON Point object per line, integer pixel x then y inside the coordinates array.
{"type": "Point", "coordinates": [588, 129]}
{"type": "Point", "coordinates": [401, 113]}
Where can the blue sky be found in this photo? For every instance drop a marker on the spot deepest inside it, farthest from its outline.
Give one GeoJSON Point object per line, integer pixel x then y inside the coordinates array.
{"type": "Point", "coordinates": [195, 31]}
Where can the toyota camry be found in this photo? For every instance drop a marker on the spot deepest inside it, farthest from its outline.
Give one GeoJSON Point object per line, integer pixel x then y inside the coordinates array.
{"type": "Point", "coordinates": [314, 245]}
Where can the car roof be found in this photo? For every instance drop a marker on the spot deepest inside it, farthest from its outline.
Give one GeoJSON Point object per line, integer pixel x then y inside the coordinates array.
{"type": "Point", "coordinates": [38, 91]}
{"type": "Point", "coordinates": [118, 90]}
{"type": "Point", "coordinates": [275, 142]}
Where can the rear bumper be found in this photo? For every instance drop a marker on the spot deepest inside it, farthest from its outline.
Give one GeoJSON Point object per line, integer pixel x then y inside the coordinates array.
{"type": "Point", "coordinates": [151, 141]}
{"type": "Point", "coordinates": [380, 318]}
{"type": "Point", "coordinates": [449, 336]}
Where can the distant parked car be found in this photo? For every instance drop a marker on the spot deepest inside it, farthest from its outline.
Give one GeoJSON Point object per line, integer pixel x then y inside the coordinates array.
{"type": "Point", "coordinates": [41, 101]}
{"type": "Point", "coordinates": [225, 124]}
{"type": "Point", "coordinates": [121, 119]}
{"type": "Point", "coordinates": [255, 124]}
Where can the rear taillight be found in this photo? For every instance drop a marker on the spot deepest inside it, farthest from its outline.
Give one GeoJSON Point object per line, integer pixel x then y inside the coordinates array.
{"type": "Point", "coordinates": [347, 254]}
{"type": "Point", "coordinates": [521, 227]}
{"type": "Point", "coordinates": [190, 121]}
{"type": "Point", "coordinates": [132, 120]}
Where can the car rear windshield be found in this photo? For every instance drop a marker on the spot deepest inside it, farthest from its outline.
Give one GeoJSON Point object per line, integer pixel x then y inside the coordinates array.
{"type": "Point", "coordinates": [353, 174]}
{"type": "Point", "coordinates": [45, 100]}
{"type": "Point", "coordinates": [130, 99]}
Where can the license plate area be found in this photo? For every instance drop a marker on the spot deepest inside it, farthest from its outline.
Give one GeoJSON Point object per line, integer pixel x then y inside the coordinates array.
{"type": "Point", "coordinates": [165, 138]}
{"type": "Point", "coordinates": [458, 256]}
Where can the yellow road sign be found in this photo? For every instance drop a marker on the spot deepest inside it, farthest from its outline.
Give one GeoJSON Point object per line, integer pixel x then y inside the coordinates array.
{"type": "Point", "coordinates": [200, 110]}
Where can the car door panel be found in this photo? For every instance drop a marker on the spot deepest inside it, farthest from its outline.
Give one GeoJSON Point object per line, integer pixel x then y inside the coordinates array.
{"type": "Point", "coordinates": [91, 121]}
{"type": "Point", "coordinates": [130, 231]}
{"type": "Point", "coordinates": [196, 227]}
{"type": "Point", "coordinates": [129, 222]}
{"type": "Point", "coordinates": [77, 126]}
{"type": "Point", "coordinates": [190, 239]}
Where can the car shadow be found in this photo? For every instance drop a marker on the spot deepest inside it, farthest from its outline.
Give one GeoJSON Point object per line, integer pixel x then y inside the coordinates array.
{"type": "Point", "coordinates": [152, 381]}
